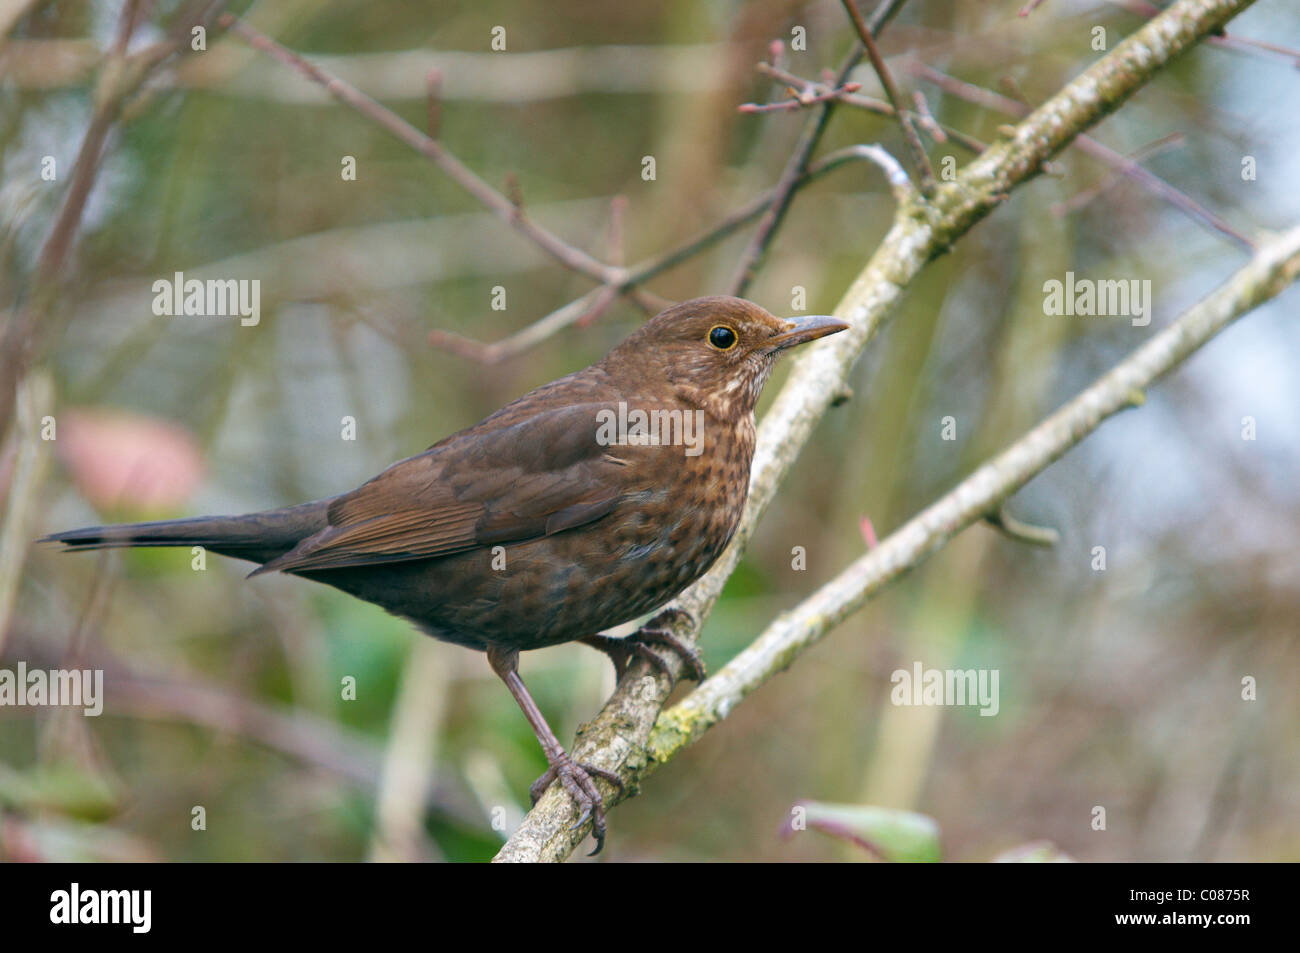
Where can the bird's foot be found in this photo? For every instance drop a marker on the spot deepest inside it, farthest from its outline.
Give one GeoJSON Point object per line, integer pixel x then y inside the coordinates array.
{"type": "Point", "coordinates": [577, 780]}
{"type": "Point", "coordinates": [655, 632]}
{"type": "Point", "coordinates": [637, 645]}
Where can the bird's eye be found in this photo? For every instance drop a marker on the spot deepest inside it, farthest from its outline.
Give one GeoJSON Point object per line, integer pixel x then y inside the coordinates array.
{"type": "Point", "coordinates": [722, 337]}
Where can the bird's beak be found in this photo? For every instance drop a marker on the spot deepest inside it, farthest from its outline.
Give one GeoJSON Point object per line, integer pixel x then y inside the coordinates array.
{"type": "Point", "coordinates": [810, 328]}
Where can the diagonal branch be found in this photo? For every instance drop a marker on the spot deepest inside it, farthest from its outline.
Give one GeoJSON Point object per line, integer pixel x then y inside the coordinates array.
{"type": "Point", "coordinates": [1122, 164]}
{"type": "Point", "coordinates": [618, 738]}
{"type": "Point", "coordinates": [569, 256]}
{"type": "Point", "coordinates": [1080, 199]}
{"type": "Point", "coordinates": [1147, 10]}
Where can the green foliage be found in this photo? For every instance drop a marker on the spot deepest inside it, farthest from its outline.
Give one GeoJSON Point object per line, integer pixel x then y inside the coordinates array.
{"type": "Point", "coordinates": [901, 836]}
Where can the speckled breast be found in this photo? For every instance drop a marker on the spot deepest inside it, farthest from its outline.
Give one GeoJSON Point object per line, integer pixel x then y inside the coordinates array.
{"type": "Point", "coordinates": [579, 582]}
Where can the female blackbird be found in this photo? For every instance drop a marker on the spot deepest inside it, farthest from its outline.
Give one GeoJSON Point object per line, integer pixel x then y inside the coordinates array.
{"type": "Point", "coordinates": [586, 503]}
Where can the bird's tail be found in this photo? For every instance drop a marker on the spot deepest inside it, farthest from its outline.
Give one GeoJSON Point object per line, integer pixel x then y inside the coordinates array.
{"type": "Point", "coordinates": [258, 537]}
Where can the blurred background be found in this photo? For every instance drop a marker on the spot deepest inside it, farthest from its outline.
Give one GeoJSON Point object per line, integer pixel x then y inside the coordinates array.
{"type": "Point", "coordinates": [1119, 688]}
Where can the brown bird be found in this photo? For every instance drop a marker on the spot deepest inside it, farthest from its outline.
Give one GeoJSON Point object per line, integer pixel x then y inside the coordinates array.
{"type": "Point", "coordinates": [584, 504]}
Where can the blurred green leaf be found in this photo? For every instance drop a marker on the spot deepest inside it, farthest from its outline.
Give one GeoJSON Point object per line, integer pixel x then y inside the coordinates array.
{"type": "Point", "coordinates": [900, 836]}
{"type": "Point", "coordinates": [63, 788]}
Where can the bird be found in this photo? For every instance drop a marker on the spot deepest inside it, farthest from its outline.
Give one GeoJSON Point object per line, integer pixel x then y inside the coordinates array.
{"type": "Point", "coordinates": [587, 503]}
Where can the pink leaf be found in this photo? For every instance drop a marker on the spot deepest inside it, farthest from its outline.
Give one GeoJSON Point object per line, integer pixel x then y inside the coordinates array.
{"type": "Point", "coordinates": [118, 458]}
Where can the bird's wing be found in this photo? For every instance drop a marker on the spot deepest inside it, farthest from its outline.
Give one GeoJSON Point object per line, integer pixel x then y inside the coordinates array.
{"type": "Point", "coordinates": [509, 482]}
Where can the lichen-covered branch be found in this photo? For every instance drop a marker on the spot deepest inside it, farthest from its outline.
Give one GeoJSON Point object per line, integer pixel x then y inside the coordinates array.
{"type": "Point", "coordinates": [623, 737]}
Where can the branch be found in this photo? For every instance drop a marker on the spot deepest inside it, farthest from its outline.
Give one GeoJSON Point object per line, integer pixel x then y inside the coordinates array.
{"type": "Point", "coordinates": [573, 312]}
{"type": "Point", "coordinates": [613, 280]}
{"type": "Point", "coordinates": [923, 170]}
{"type": "Point", "coordinates": [812, 92]}
{"type": "Point", "coordinates": [1021, 531]}
{"type": "Point", "coordinates": [802, 97]}
{"type": "Point", "coordinates": [1080, 199]}
{"type": "Point", "coordinates": [797, 164]}
{"type": "Point", "coordinates": [121, 74]}
{"type": "Point", "coordinates": [619, 737]}
{"type": "Point", "coordinates": [575, 259]}
{"type": "Point", "coordinates": [1147, 10]}
{"type": "Point", "coordinates": [1124, 165]}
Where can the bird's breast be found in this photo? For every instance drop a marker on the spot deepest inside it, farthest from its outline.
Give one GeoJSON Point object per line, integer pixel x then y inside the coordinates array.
{"type": "Point", "coordinates": [689, 514]}
{"type": "Point", "coordinates": [677, 514]}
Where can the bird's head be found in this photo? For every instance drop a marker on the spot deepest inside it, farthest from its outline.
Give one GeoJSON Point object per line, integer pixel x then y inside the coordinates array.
{"type": "Point", "coordinates": [717, 351]}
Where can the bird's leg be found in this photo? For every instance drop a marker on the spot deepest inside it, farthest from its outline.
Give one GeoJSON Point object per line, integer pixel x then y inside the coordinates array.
{"type": "Point", "coordinates": [576, 778]}
{"type": "Point", "coordinates": [637, 645]}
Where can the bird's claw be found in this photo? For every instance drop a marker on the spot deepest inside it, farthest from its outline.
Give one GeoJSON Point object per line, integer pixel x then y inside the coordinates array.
{"type": "Point", "coordinates": [637, 645]}
{"type": "Point", "coordinates": [576, 778]}
{"type": "Point", "coordinates": [689, 654]}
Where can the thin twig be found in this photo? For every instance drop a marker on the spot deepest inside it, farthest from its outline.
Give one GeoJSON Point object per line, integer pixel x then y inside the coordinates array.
{"type": "Point", "coordinates": [1085, 196]}
{"type": "Point", "coordinates": [797, 164]}
{"type": "Point", "coordinates": [921, 160]}
{"type": "Point", "coordinates": [800, 98]}
{"type": "Point", "coordinates": [604, 298]}
{"type": "Point", "coordinates": [121, 74]}
{"type": "Point", "coordinates": [1086, 144]}
{"type": "Point", "coordinates": [895, 174]}
{"type": "Point", "coordinates": [809, 136]}
{"type": "Point", "coordinates": [859, 101]}
{"type": "Point", "coordinates": [573, 312]}
{"type": "Point", "coordinates": [509, 206]}
{"type": "Point", "coordinates": [926, 118]}
{"type": "Point", "coordinates": [1022, 532]}
{"type": "Point", "coordinates": [575, 259]}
